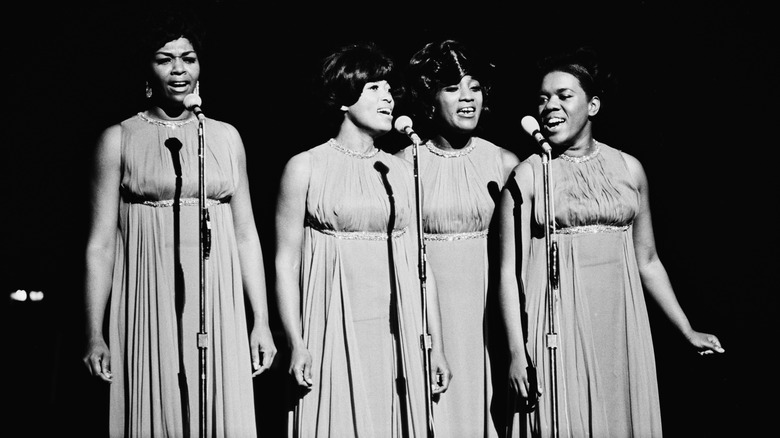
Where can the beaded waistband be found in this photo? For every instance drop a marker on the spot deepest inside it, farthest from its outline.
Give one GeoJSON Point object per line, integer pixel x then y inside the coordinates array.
{"type": "Point", "coordinates": [448, 237]}
{"type": "Point", "coordinates": [591, 229]}
{"type": "Point", "coordinates": [191, 202]}
{"type": "Point", "coordinates": [361, 235]}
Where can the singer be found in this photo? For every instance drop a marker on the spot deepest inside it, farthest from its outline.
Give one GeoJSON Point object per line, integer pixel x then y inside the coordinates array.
{"type": "Point", "coordinates": [346, 264]}
{"type": "Point", "coordinates": [143, 258]}
{"type": "Point", "coordinates": [462, 175]}
{"type": "Point", "coordinates": [606, 375]}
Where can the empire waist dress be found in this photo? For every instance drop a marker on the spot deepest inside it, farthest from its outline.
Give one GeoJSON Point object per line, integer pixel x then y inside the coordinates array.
{"type": "Point", "coordinates": [155, 298]}
{"type": "Point", "coordinates": [606, 374]}
{"type": "Point", "coordinates": [361, 301]}
{"type": "Point", "coordinates": [459, 192]}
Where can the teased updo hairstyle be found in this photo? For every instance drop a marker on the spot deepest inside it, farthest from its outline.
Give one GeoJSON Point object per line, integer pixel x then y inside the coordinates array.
{"type": "Point", "coordinates": [583, 64]}
{"type": "Point", "coordinates": [440, 64]}
{"type": "Point", "coordinates": [346, 71]}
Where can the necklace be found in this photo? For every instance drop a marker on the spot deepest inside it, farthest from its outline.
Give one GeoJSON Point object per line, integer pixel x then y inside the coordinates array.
{"type": "Point", "coordinates": [450, 154]}
{"type": "Point", "coordinates": [336, 145]}
{"type": "Point", "coordinates": [584, 158]}
{"type": "Point", "coordinates": [166, 123]}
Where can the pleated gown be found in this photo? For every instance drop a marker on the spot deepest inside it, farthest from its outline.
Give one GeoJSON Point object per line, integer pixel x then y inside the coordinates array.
{"type": "Point", "coordinates": [361, 299]}
{"type": "Point", "coordinates": [460, 189]}
{"type": "Point", "coordinates": [606, 375]}
{"type": "Point", "coordinates": [155, 298]}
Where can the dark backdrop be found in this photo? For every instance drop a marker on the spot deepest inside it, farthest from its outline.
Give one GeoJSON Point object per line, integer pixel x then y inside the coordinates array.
{"type": "Point", "coordinates": [696, 104]}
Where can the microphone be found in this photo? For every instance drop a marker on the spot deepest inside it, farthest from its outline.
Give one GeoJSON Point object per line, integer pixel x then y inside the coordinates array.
{"type": "Point", "coordinates": [531, 126]}
{"type": "Point", "coordinates": [193, 102]}
{"type": "Point", "coordinates": [383, 170]}
{"type": "Point", "coordinates": [381, 167]}
{"type": "Point", "coordinates": [174, 145]}
{"type": "Point", "coordinates": [403, 124]}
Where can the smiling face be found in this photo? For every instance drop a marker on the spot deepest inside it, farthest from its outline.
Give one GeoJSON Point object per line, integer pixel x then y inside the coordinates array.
{"type": "Point", "coordinates": [373, 111]}
{"type": "Point", "coordinates": [175, 71]}
{"type": "Point", "coordinates": [565, 109]}
{"type": "Point", "coordinates": [459, 106]}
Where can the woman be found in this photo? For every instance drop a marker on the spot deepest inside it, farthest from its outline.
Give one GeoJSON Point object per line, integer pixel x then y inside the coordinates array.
{"type": "Point", "coordinates": [606, 380]}
{"type": "Point", "coordinates": [347, 283]}
{"type": "Point", "coordinates": [143, 257]}
{"type": "Point", "coordinates": [461, 176]}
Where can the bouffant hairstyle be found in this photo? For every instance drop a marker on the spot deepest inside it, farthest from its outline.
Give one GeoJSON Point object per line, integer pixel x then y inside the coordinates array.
{"type": "Point", "coordinates": [440, 64]}
{"type": "Point", "coordinates": [346, 71]}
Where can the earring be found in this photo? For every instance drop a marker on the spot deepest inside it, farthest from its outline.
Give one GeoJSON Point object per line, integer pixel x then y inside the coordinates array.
{"type": "Point", "coordinates": [197, 88]}
{"type": "Point", "coordinates": [148, 91]}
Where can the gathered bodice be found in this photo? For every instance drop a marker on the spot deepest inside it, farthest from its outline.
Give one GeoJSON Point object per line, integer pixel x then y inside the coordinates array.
{"type": "Point", "coordinates": [150, 152]}
{"type": "Point", "coordinates": [598, 190]}
{"type": "Point", "coordinates": [349, 192]}
{"type": "Point", "coordinates": [459, 187]}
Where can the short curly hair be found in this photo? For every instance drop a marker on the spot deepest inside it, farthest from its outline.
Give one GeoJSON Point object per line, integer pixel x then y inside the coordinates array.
{"type": "Point", "coordinates": [583, 63]}
{"type": "Point", "coordinates": [169, 25]}
{"type": "Point", "coordinates": [162, 27]}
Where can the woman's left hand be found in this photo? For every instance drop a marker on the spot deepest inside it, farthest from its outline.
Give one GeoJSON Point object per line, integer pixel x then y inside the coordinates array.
{"type": "Point", "coordinates": [705, 343]}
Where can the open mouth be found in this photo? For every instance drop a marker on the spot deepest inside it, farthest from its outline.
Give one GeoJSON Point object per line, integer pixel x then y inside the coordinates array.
{"type": "Point", "coordinates": [553, 122]}
{"type": "Point", "coordinates": [179, 86]}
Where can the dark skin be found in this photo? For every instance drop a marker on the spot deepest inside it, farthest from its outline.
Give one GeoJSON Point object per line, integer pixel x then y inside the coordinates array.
{"type": "Point", "coordinates": [566, 111]}
{"type": "Point", "coordinates": [175, 69]}
{"type": "Point", "coordinates": [363, 122]}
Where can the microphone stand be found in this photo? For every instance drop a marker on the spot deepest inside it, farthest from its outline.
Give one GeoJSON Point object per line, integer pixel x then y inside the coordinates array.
{"type": "Point", "coordinates": [551, 250]}
{"type": "Point", "coordinates": [425, 337]}
{"type": "Point", "coordinates": [205, 248]}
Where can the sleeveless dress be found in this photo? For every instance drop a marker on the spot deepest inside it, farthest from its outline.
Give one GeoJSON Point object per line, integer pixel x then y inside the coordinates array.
{"type": "Point", "coordinates": [155, 297]}
{"type": "Point", "coordinates": [361, 299]}
{"type": "Point", "coordinates": [605, 362]}
{"type": "Point", "coordinates": [459, 192]}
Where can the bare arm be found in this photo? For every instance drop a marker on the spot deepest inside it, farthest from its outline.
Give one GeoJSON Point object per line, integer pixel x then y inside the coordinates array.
{"type": "Point", "coordinates": [290, 215]}
{"type": "Point", "coordinates": [652, 272]}
{"type": "Point", "coordinates": [250, 256]}
{"type": "Point", "coordinates": [514, 217]}
{"type": "Point", "coordinates": [441, 374]}
{"type": "Point", "coordinates": [510, 162]}
{"type": "Point", "coordinates": [404, 154]}
{"type": "Point", "coordinates": [101, 247]}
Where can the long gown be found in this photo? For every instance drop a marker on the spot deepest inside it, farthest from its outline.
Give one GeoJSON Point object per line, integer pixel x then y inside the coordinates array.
{"type": "Point", "coordinates": [155, 299]}
{"type": "Point", "coordinates": [459, 192]}
{"type": "Point", "coordinates": [361, 299]}
{"type": "Point", "coordinates": [606, 366]}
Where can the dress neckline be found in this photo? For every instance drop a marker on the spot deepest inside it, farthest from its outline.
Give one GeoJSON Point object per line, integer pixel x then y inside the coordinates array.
{"type": "Point", "coordinates": [451, 154]}
{"type": "Point", "coordinates": [166, 123]}
{"type": "Point", "coordinates": [584, 158]}
{"type": "Point", "coordinates": [336, 145]}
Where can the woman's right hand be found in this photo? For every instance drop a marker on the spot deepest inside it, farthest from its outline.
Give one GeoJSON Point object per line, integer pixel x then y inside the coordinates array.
{"type": "Point", "coordinates": [97, 358]}
{"type": "Point", "coordinates": [300, 367]}
{"type": "Point", "coordinates": [520, 382]}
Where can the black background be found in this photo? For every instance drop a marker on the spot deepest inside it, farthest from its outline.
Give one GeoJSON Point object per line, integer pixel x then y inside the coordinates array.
{"type": "Point", "coordinates": [696, 104]}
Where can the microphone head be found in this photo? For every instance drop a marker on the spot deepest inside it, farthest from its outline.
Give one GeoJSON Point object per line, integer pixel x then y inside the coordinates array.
{"type": "Point", "coordinates": [191, 101]}
{"type": "Point", "coordinates": [402, 123]}
{"type": "Point", "coordinates": [530, 124]}
{"type": "Point", "coordinates": [381, 167]}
